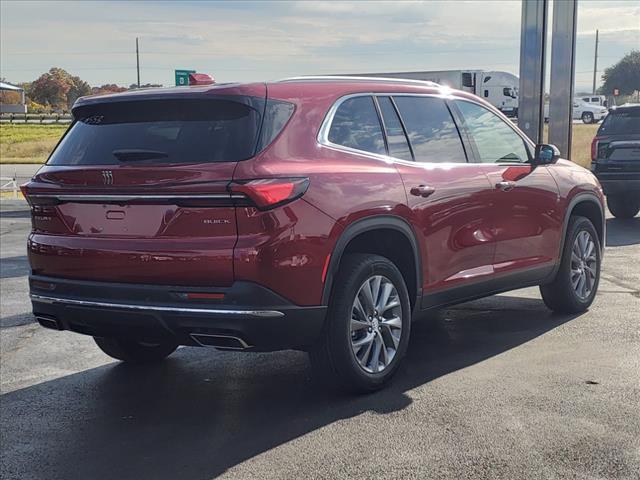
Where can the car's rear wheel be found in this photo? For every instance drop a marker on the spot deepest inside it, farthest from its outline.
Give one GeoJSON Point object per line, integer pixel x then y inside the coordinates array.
{"type": "Point", "coordinates": [587, 117]}
{"type": "Point", "coordinates": [576, 282]}
{"type": "Point", "coordinates": [622, 206]}
{"type": "Point", "coordinates": [367, 328]}
{"type": "Point", "coordinates": [133, 351]}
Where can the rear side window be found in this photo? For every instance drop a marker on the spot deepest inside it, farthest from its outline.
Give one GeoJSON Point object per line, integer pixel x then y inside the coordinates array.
{"type": "Point", "coordinates": [276, 115]}
{"type": "Point", "coordinates": [396, 138]}
{"type": "Point", "coordinates": [356, 125]}
{"type": "Point", "coordinates": [432, 132]}
{"type": "Point", "coordinates": [160, 131]}
{"type": "Point", "coordinates": [620, 122]}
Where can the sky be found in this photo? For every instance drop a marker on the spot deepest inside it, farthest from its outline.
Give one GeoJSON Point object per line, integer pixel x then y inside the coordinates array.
{"type": "Point", "coordinates": [262, 40]}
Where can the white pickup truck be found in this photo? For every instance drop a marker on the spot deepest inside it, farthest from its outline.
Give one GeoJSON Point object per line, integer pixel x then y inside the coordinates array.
{"type": "Point", "coordinates": [587, 112]}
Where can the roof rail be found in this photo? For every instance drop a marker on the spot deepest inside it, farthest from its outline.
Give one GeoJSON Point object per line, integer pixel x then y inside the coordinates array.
{"type": "Point", "coordinates": [425, 83]}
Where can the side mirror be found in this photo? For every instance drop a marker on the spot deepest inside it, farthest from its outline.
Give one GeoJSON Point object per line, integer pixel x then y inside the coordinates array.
{"type": "Point", "coordinates": [546, 154]}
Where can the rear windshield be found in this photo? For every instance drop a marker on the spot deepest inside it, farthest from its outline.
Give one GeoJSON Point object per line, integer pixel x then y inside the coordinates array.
{"type": "Point", "coordinates": [162, 131]}
{"type": "Point", "coordinates": [621, 122]}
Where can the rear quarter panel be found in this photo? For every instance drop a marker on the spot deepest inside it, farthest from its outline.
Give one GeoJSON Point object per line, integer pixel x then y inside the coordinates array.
{"type": "Point", "coordinates": [343, 187]}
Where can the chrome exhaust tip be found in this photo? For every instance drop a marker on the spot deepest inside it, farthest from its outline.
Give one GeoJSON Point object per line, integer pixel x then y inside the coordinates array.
{"type": "Point", "coordinates": [224, 342]}
{"type": "Point", "coordinates": [49, 322]}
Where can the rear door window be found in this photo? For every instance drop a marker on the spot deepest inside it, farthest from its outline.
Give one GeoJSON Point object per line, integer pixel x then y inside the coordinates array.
{"type": "Point", "coordinates": [160, 131]}
{"type": "Point", "coordinates": [396, 138]}
{"type": "Point", "coordinates": [356, 125]}
{"type": "Point", "coordinates": [432, 132]}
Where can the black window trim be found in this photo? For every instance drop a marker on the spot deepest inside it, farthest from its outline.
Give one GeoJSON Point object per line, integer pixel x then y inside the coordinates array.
{"type": "Point", "coordinates": [529, 145]}
{"type": "Point", "coordinates": [322, 137]}
{"type": "Point", "coordinates": [384, 126]}
{"type": "Point", "coordinates": [381, 122]}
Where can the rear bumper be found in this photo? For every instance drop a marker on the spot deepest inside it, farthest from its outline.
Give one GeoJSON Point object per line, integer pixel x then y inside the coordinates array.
{"type": "Point", "coordinates": [248, 317]}
{"type": "Point", "coordinates": [619, 183]}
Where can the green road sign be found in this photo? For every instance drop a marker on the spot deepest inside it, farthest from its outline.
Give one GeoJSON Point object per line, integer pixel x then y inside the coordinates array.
{"type": "Point", "coordinates": [182, 77]}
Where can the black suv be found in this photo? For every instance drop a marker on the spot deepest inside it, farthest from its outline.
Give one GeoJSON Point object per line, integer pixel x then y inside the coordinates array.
{"type": "Point", "coordinates": [615, 159]}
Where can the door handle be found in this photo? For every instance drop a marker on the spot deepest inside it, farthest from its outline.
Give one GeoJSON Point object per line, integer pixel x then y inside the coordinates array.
{"type": "Point", "coordinates": [422, 191]}
{"type": "Point", "coordinates": [506, 185]}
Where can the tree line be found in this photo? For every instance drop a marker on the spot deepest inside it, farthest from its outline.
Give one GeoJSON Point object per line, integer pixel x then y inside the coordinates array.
{"type": "Point", "coordinates": [57, 90]}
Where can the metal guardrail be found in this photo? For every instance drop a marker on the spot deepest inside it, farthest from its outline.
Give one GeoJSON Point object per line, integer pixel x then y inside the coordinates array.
{"type": "Point", "coordinates": [35, 118]}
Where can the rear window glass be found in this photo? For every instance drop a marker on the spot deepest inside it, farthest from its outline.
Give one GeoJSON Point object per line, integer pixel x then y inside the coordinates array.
{"type": "Point", "coordinates": [621, 122]}
{"type": "Point", "coordinates": [356, 125]}
{"type": "Point", "coordinates": [160, 131]}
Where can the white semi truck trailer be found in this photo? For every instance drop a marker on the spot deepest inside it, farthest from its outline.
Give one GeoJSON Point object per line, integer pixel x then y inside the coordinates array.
{"type": "Point", "coordinates": [498, 88]}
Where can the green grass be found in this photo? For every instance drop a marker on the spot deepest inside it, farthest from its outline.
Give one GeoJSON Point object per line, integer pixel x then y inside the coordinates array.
{"type": "Point", "coordinates": [581, 137]}
{"type": "Point", "coordinates": [28, 143]}
{"type": "Point", "coordinates": [581, 143]}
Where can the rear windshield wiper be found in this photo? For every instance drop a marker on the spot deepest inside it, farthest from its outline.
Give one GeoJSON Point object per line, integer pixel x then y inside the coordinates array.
{"type": "Point", "coordinates": [132, 154]}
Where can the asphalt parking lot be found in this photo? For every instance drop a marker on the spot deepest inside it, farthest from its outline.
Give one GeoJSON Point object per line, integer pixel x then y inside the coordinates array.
{"type": "Point", "coordinates": [497, 388]}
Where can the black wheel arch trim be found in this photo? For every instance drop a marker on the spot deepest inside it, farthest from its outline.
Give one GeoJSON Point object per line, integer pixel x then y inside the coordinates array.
{"type": "Point", "coordinates": [580, 198]}
{"type": "Point", "coordinates": [375, 222]}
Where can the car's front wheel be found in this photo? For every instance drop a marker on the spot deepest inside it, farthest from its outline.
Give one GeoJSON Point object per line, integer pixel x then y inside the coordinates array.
{"type": "Point", "coordinates": [587, 117]}
{"type": "Point", "coordinates": [576, 282]}
{"type": "Point", "coordinates": [622, 206]}
{"type": "Point", "coordinates": [133, 351]}
{"type": "Point", "coordinates": [367, 327]}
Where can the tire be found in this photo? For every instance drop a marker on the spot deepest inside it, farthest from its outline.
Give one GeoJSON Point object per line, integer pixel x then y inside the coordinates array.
{"type": "Point", "coordinates": [621, 206]}
{"type": "Point", "coordinates": [337, 358]}
{"type": "Point", "coordinates": [587, 117]}
{"type": "Point", "coordinates": [563, 295]}
{"type": "Point", "coordinates": [132, 351]}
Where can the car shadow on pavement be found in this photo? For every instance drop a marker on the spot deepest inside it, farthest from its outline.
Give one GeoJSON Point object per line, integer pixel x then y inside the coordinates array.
{"type": "Point", "coordinates": [22, 213]}
{"type": "Point", "coordinates": [623, 232]}
{"type": "Point", "coordinates": [202, 411]}
{"type": "Point", "coordinates": [12, 267]}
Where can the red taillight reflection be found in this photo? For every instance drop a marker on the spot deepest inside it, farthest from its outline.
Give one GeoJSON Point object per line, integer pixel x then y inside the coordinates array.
{"type": "Point", "coordinates": [271, 192]}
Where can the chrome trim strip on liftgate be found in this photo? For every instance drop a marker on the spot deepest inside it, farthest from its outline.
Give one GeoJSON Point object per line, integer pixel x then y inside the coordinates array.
{"type": "Point", "coordinates": [133, 197]}
{"type": "Point", "coordinates": [156, 308]}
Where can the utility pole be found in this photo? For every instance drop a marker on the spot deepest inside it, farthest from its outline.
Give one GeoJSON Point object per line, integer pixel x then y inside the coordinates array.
{"type": "Point", "coordinates": [138, 62]}
{"type": "Point", "coordinates": [595, 65]}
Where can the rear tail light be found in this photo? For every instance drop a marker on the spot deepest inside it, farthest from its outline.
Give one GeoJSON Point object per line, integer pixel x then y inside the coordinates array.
{"type": "Point", "coordinates": [271, 192]}
{"type": "Point", "coordinates": [594, 148]}
{"type": "Point", "coordinates": [23, 189]}
{"type": "Point", "coordinates": [35, 200]}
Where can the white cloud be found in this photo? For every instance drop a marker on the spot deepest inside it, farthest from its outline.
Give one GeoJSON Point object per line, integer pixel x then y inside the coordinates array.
{"type": "Point", "coordinates": [250, 41]}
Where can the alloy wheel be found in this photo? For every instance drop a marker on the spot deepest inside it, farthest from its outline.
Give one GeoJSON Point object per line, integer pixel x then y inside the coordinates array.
{"type": "Point", "coordinates": [583, 265]}
{"type": "Point", "coordinates": [376, 324]}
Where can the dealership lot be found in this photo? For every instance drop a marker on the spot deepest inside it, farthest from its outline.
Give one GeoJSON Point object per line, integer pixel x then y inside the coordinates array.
{"type": "Point", "coordinates": [496, 388]}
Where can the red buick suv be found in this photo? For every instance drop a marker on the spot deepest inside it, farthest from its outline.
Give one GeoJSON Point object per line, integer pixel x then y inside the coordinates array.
{"type": "Point", "coordinates": [318, 213]}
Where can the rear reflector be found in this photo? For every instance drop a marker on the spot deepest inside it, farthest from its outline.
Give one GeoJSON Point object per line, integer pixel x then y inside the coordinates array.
{"type": "Point", "coordinates": [43, 285]}
{"type": "Point", "coordinates": [204, 296]}
{"type": "Point", "coordinates": [271, 192]}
